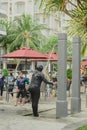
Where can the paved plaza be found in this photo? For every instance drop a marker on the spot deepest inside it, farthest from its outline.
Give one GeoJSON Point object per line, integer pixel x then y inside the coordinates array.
{"type": "Point", "coordinates": [20, 117]}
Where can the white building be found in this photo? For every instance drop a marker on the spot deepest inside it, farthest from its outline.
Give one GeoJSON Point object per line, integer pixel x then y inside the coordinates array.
{"type": "Point", "coordinates": [15, 8]}
{"type": "Point", "coordinates": [3, 14]}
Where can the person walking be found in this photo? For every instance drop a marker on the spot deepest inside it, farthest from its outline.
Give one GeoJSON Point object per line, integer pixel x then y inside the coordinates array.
{"type": "Point", "coordinates": [21, 88]}
{"type": "Point", "coordinates": [34, 88]}
{"type": "Point", "coordinates": [2, 79]}
{"type": "Point", "coordinates": [11, 80]}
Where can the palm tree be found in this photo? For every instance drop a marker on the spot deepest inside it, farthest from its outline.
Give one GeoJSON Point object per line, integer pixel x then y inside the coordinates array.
{"type": "Point", "coordinates": [27, 33]}
{"type": "Point", "coordinates": [78, 26]}
{"type": "Point", "coordinates": [78, 22]}
{"type": "Point", "coordinates": [5, 40]}
{"type": "Point", "coordinates": [61, 5]}
{"type": "Point", "coordinates": [51, 44]}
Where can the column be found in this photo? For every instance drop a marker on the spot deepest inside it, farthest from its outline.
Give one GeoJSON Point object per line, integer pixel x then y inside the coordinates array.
{"type": "Point", "coordinates": [33, 65]}
{"type": "Point", "coordinates": [61, 103]}
{"type": "Point", "coordinates": [75, 99]}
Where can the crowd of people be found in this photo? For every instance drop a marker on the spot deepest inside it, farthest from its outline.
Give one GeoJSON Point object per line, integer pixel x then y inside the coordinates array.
{"type": "Point", "coordinates": [30, 89]}
{"type": "Point", "coordinates": [25, 87]}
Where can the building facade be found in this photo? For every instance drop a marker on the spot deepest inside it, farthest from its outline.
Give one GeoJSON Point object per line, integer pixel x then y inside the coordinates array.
{"type": "Point", "coordinates": [15, 8]}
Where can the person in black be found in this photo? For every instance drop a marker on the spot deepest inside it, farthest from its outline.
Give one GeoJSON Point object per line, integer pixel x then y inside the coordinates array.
{"type": "Point", "coordinates": [2, 79]}
{"type": "Point", "coordinates": [34, 88]}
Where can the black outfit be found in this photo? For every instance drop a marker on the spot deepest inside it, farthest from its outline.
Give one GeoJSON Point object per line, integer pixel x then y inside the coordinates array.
{"type": "Point", "coordinates": [10, 89]}
{"type": "Point", "coordinates": [1, 90]}
{"type": "Point", "coordinates": [34, 89]}
{"type": "Point", "coordinates": [2, 78]}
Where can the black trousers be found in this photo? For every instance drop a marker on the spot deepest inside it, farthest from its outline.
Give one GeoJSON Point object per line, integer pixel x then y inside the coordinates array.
{"type": "Point", "coordinates": [1, 90]}
{"type": "Point", "coordinates": [10, 89]}
{"type": "Point", "coordinates": [35, 95]}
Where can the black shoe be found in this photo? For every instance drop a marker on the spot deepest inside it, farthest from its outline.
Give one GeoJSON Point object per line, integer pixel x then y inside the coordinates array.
{"type": "Point", "coordinates": [36, 115]}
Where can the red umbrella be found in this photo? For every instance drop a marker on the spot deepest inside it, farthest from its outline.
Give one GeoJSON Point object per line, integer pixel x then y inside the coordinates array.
{"type": "Point", "coordinates": [52, 56]}
{"type": "Point", "coordinates": [84, 63]}
{"type": "Point", "coordinates": [25, 53]}
{"type": "Point", "coordinates": [49, 56]}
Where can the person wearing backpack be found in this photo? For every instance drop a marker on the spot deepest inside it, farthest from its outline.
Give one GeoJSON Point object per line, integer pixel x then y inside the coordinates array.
{"type": "Point", "coordinates": [34, 88]}
{"type": "Point", "coordinates": [2, 78]}
{"type": "Point", "coordinates": [21, 88]}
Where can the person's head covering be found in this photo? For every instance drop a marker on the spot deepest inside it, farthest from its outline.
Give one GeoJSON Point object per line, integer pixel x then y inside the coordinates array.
{"type": "Point", "coordinates": [39, 68]}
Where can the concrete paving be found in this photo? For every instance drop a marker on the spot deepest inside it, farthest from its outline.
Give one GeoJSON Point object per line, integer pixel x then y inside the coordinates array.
{"type": "Point", "coordinates": [20, 117]}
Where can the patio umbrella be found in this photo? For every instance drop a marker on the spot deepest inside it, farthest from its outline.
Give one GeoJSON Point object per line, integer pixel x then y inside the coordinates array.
{"type": "Point", "coordinates": [25, 53]}
{"type": "Point", "coordinates": [52, 56]}
{"type": "Point", "coordinates": [84, 63]}
{"type": "Point", "coordinates": [49, 57]}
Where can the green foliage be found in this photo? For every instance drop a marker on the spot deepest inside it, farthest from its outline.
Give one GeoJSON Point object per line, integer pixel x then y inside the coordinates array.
{"type": "Point", "coordinates": [27, 32]}
{"type": "Point", "coordinates": [83, 128]}
{"type": "Point", "coordinates": [78, 14]}
{"type": "Point", "coordinates": [6, 40]}
{"type": "Point", "coordinates": [55, 67]}
{"type": "Point", "coordinates": [69, 73]}
{"type": "Point", "coordinates": [86, 73]}
{"type": "Point", "coordinates": [5, 72]}
{"type": "Point", "coordinates": [69, 49]}
{"type": "Point", "coordinates": [51, 43]}
{"type": "Point", "coordinates": [61, 5]}
{"type": "Point", "coordinates": [78, 27]}
{"type": "Point", "coordinates": [22, 32]}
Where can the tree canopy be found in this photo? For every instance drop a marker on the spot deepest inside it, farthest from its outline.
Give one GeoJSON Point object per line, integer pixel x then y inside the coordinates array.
{"type": "Point", "coordinates": [27, 32]}
{"type": "Point", "coordinates": [22, 32]}
{"type": "Point", "coordinates": [63, 5]}
{"type": "Point", "coordinates": [52, 42]}
{"type": "Point", "coordinates": [77, 10]}
{"type": "Point", "coordinates": [5, 40]}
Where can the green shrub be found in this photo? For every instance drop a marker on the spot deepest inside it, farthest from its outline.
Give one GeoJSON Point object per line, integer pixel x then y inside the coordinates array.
{"type": "Point", "coordinates": [82, 128]}
{"type": "Point", "coordinates": [5, 72]}
{"type": "Point", "coordinates": [69, 73]}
